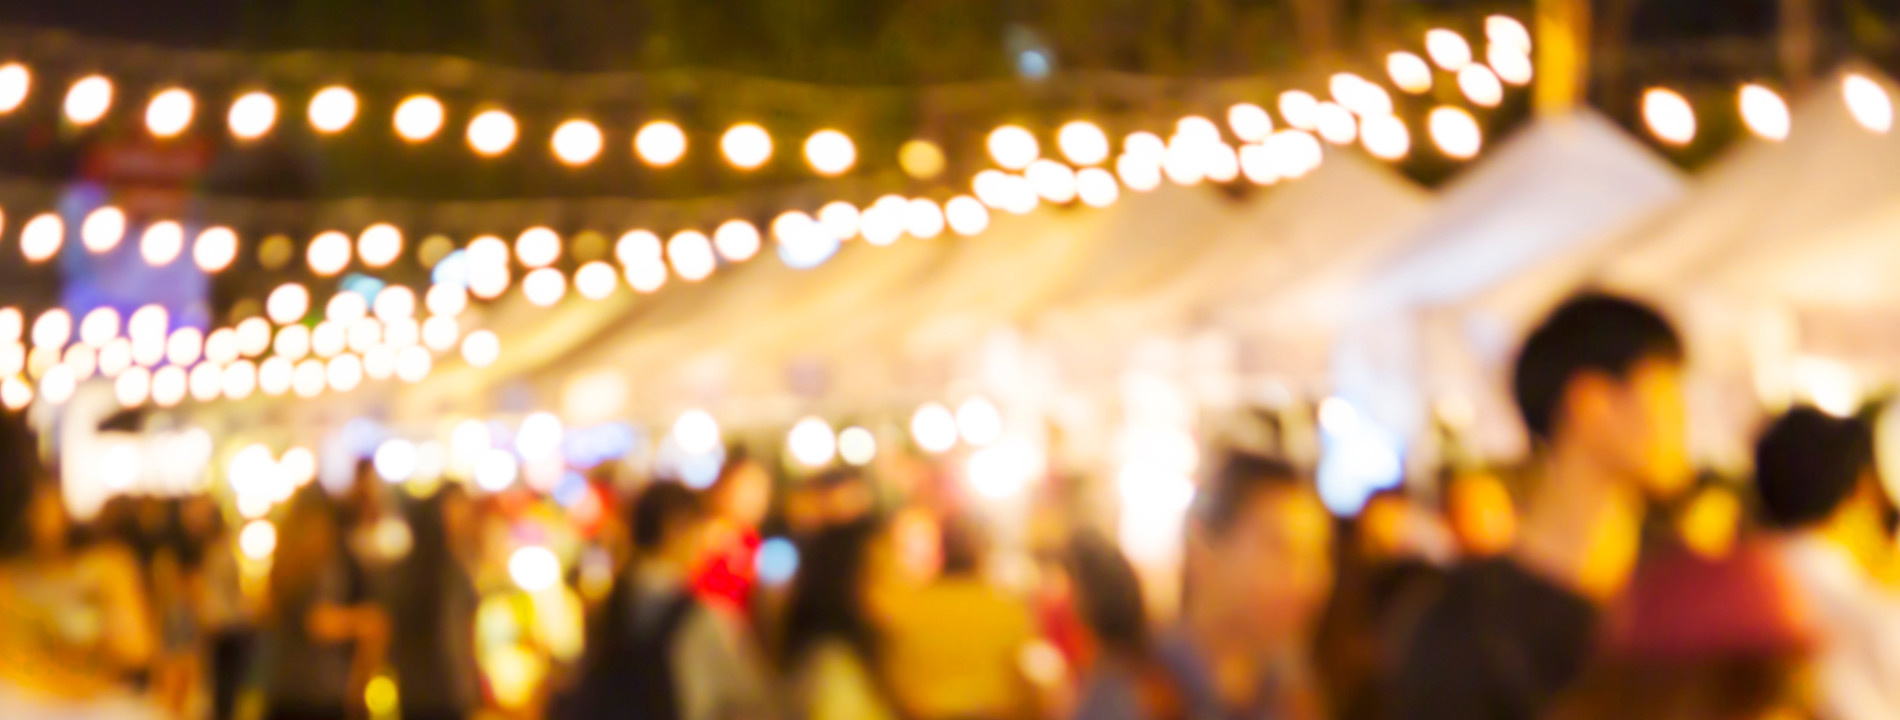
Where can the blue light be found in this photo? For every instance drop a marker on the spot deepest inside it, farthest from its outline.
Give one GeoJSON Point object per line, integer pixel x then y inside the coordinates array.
{"type": "Point", "coordinates": [590, 446]}
{"type": "Point", "coordinates": [1359, 459]}
{"type": "Point", "coordinates": [809, 251]}
{"type": "Point", "coordinates": [1033, 64]}
{"type": "Point", "coordinates": [570, 490]}
{"type": "Point", "coordinates": [361, 284]}
{"type": "Point", "coordinates": [452, 269]}
{"type": "Point", "coordinates": [776, 562]}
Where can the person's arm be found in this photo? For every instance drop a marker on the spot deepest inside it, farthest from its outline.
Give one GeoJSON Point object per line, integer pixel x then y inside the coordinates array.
{"type": "Point", "coordinates": [719, 671]}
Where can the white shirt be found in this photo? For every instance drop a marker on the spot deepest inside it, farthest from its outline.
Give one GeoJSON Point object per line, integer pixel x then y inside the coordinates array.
{"type": "Point", "coordinates": [1858, 664]}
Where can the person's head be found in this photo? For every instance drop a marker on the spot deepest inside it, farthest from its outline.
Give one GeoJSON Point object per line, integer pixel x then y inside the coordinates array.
{"type": "Point", "coordinates": [1108, 595]}
{"type": "Point", "coordinates": [1482, 517]}
{"type": "Point", "coordinates": [743, 492]}
{"type": "Point", "coordinates": [308, 542]}
{"type": "Point", "coordinates": [829, 596]}
{"type": "Point", "coordinates": [1602, 376]}
{"type": "Point", "coordinates": [31, 516]}
{"type": "Point", "coordinates": [667, 518]}
{"type": "Point", "coordinates": [1809, 464]}
{"type": "Point", "coordinates": [1260, 550]}
{"type": "Point", "coordinates": [962, 547]}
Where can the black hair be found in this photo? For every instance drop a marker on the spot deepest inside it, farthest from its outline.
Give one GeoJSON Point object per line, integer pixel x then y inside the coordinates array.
{"type": "Point", "coordinates": [1240, 478]}
{"type": "Point", "coordinates": [1592, 332]}
{"type": "Point", "coordinates": [827, 597]}
{"type": "Point", "coordinates": [660, 509]}
{"type": "Point", "coordinates": [20, 476]}
{"type": "Point", "coordinates": [1807, 463]}
{"type": "Point", "coordinates": [428, 573]}
{"type": "Point", "coordinates": [1108, 594]}
{"type": "Point", "coordinates": [962, 544]}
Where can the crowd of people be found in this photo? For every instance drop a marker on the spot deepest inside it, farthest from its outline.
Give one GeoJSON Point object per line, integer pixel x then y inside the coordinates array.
{"type": "Point", "coordinates": [1589, 583]}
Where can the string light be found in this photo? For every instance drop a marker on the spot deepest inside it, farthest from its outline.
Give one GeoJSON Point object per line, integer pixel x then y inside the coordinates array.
{"type": "Point", "coordinates": [1363, 97]}
{"type": "Point", "coordinates": [481, 348]}
{"type": "Point", "coordinates": [1218, 162]}
{"type": "Point", "coordinates": [332, 109]}
{"type": "Point", "coordinates": [169, 112]}
{"type": "Point", "coordinates": [1299, 109]}
{"type": "Point", "coordinates": [1409, 72]}
{"type": "Point", "coordinates": [287, 304]}
{"type": "Point", "coordinates": [216, 247]}
{"type": "Point", "coordinates": [1480, 85]}
{"type": "Point", "coordinates": [966, 215]}
{"type": "Point", "coordinates": [746, 146]}
{"type": "Point", "coordinates": [1012, 147]}
{"type": "Point", "coordinates": [1096, 187]}
{"type": "Point", "coordinates": [659, 143]}
{"type": "Point", "coordinates": [1455, 132]}
{"type": "Point", "coordinates": [418, 118]}
{"type": "Point", "coordinates": [839, 218]}
{"type": "Point", "coordinates": [393, 303]}
{"type": "Point", "coordinates": [596, 280]}
{"type": "Point", "coordinates": [1448, 49]}
{"type": "Point", "coordinates": [41, 237]}
{"type": "Point", "coordinates": [239, 380]}
{"type": "Point", "coordinates": [344, 372]}
{"type": "Point", "coordinates": [253, 337]}
{"type": "Point", "coordinates": [185, 346]}
{"type": "Point", "coordinates": [102, 229]}
{"type": "Point", "coordinates": [15, 81]}
{"type": "Point", "coordinates": [99, 327]}
{"type": "Point", "coordinates": [1512, 65]}
{"type": "Point", "coordinates": [1140, 173]}
{"type": "Point", "coordinates": [52, 328]}
{"type": "Point", "coordinates": [736, 240]}
{"type": "Point", "coordinates": [921, 159]}
{"type": "Point", "coordinates": [446, 300]}
{"type": "Point", "coordinates": [492, 133]}
{"type": "Point", "coordinates": [1506, 31]}
{"type": "Point", "coordinates": [1083, 142]}
{"type": "Point", "coordinates": [1335, 123]}
{"type": "Point", "coordinates": [133, 387]}
{"type": "Point", "coordinates": [148, 322]}
{"type": "Point", "coordinates": [1144, 144]}
{"type": "Point", "coordinates": [206, 382]}
{"type": "Point", "coordinates": [1249, 122]}
{"type": "Point", "coordinates": [1385, 137]}
{"type": "Point", "coordinates": [168, 386]}
{"type": "Point", "coordinates": [537, 247]}
{"type": "Point", "coordinates": [221, 346]}
{"type": "Point", "coordinates": [1052, 180]}
{"type": "Point", "coordinates": [882, 223]}
{"type": "Point", "coordinates": [1669, 116]}
{"type": "Point", "coordinates": [1765, 113]}
{"type": "Point", "coordinates": [1868, 102]}
{"type": "Point", "coordinates": [577, 142]}
{"type": "Point", "coordinates": [830, 152]}
{"type": "Point", "coordinates": [252, 115]}
{"type": "Point", "coordinates": [88, 99]}
{"type": "Point", "coordinates": [292, 343]}
{"type": "Point", "coordinates": [544, 287]}
{"type": "Point", "coordinates": [923, 219]}
{"type": "Point", "coordinates": [691, 255]}
{"type": "Point", "coordinates": [307, 380]}
{"type": "Point", "coordinates": [346, 307]}
{"type": "Point", "coordinates": [379, 245]}
{"type": "Point", "coordinates": [329, 253]}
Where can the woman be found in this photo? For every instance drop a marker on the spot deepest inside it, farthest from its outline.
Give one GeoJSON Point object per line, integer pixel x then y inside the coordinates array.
{"type": "Point", "coordinates": [1124, 681]}
{"type": "Point", "coordinates": [322, 639]}
{"type": "Point", "coordinates": [433, 649]}
{"type": "Point", "coordinates": [830, 647]}
{"type": "Point", "coordinates": [73, 622]}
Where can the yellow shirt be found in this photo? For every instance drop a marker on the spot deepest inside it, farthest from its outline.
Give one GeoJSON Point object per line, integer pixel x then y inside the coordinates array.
{"type": "Point", "coordinates": [952, 649]}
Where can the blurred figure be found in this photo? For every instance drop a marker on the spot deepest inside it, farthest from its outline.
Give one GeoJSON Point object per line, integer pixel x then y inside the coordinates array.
{"type": "Point", "coordinates": [955, 645]}
{"type": "Point", "coordinates": [324, 638]}
{"type": "Point", "coordinates": [831, 648]}
{"type": "Point", "coordinates": [1699, 638]}
{"type": "Point", "coordinates": [225, 617]}
{"type": "Point", "coordinates": [654, 652]}
{"type": "Point", "coordinates": [1479, 510]}
{"type": "Point", "coordinates": [1815, 480]}
{"type": "Point", "coordinates": [73, 622]}
{"type": "Point", "coordinates": [1122, 679]}
{"type": "Point", "coordinates": [1259, 570]}
{"type": "Point", "coordinates": [1390, 570]}
{"type": "Point", "coordinates": [1599, 387]}
{"type": "Point", "coordinates": [740, 498]}
{"type": "Point", "coordinates": [433, 608]}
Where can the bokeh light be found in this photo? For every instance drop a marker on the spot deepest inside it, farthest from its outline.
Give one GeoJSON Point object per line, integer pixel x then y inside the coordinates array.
{"type": "Point", "coordinates": [481, 348]}
{"type": "Point", "coordinates": [1083, 142]}
{"type": "Point", "coordinates": [169, 112]}
{"type": "Point", "coordinates": [1448, 49]}
{"type": "Point", "coordinates": [161, 243]}
{"type": "Point", "coordinates": [577, 142]}
{"type": "Point", "coordinates": [1336, 124]}
{"type": "Point", "coordinates": [88, 99]}
{"type": "Point", "coordinates": [379, 245]}
{"type": "Point", "coordinates": [1765, 113]}
{"type": "Point", "coordinates": [217, 247]}
{"type": "Point", "coordinates": [1506, 31]}
{"type": "Point", "coordinates": [830, 152]}
{"type": "Point", "coordinates": [1385, 137]}
{"type": "Point", "coordinates": [1012, 147]}
{"type": "Point", "coordinates": [492, 132]}
{"type": "Point", "coordinates": [812, 443]}
{"type": "Point", "coordinates": [102, 229]}
{"type": "Point", "coordinates": [15, 81]}
{"type": "Point", "coordinates": [1249, 122]}
{"type": "Point", "coordinates": [933, 428]}
{"type": "Point", "coordinates": [1868, 102]}
{"type": "Point", "coordinates": [41, 237]}
{"type": "Point", "coordinates": [1299, 109]}
{"type": "Point", "coordinates": [746, 146]}
{"type": "Point", "coordinates": [921, 159]}
{"type": "Point", "coordinates": [1669, 116]}
{"type": "Point", "coordinates": [1096, 187]}
{"type": "Point", "coordinates": [1480, 85]}
{"type": "Point", "coordinates": [99, 326]}
{"type": "Point", "coordinates": [418, 118]}
{"type": "Point", "coordinates": [659, 143]}
{"type": "Point", "coordinates": [544, 287]}
{"type": "Point", "coordinates": [736, 241]}
{"type": "Point", "coordinates": [966, 215]}
{"type": "Point", "coordinates": [691, 255]}
{"type": "Point", "coordinates": [332, 109]}
{"type": "Point", "coordinates": [1512, 66]}
{"type": "Point", "coordinates": [596, 280]}
{"type": "Point", "coordinates": [329, 253]}
{"type": "Point", "coordinates": [1052, 180]}
{"type": "Point", "coordinates": [537, 247]}
{"type": "Point", "coordinates": [1409, 72]}
{"type": "Point", "coordinates": [979, 422]}
{"type": "Point", "coordinates": [1455, 133]}
{"type": "Point", "coordinates": [252, 115]}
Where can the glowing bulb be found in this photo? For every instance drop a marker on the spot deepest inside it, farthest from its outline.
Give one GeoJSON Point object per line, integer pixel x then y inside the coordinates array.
{"type": "Point", "coordinates": [102, 229]}
{"type": "Point", "coordinates": [15, 80]}
{"type": "Point", "coordinates": [1409, 72]}
{"type": "Point", "coordinates": [293, 342]}
{"type": "Point", "coordinates": [933, 428]}
{"type": "Point", "coordinates": [812, 443]}
{"type": "Point", "coordinates": [379, 245]}
{"type": "Point", "coordinates": [496, 470]}
{"type": "Point", "coordinates": [133, 387]}
{"type": "Point", "coordinates": [15, 393]}
{"type": "Point", "coordinates": [1480, 85]}
{"type": "Point", "coordinates": [921, 159]}
{"type": "Point", "coordinates": [1249, 122]}
{"type": "Point", "coordinates": [1448, 49]}
{"type": "Point", "coordinates": [346, 307]}
{"type": "Point", "coordinates": [595, 280]}
{"type": "Point", "coordinates": [161, 243]}
{"type": "Point", "coordinates": [1385, 137]}
{"type": "Point", "coordinates": [168, 386]}
{"type": "Point", "coordinates": [691, 255]}
{"type": "Point", "coordinates": [169, 112]}
{"type": "Point", "coordinates": [736, 240]}
{"type": "Point", "coordinates": [329, 338]}
{"type": "Point", "coordinates": [239, 380]}
{"type": "Point", "coordinates": [830, 152]}
{"type": "Point", "coordinates": [492, 133]}
{"type": "Point", "coordinates": [329, 253]}
{"type": "Point", "coordinates": [839, 218]}
{"type": "Point", "coordinates": [332, 109]}
{"type": "Point", "coordinates": [576, 142]}
{"type": "Point", "coordinates": [646, 275]}
{"type": "Point", "coordinates": [544, 287]}
{"type": "Point", "coordinates": [41, 237]}
{"type": "Point", "coordinates": [88, 99]}
{"type": "Point", "coordinates": [215, 248]}
{"type": "Point", "coordinates": [1012, 147]}
{"type": "Point", "coordinates": [966, 215]}
{"type": "Point", "coordinates": [696, 432]}
{"type": "Point", "coordinates": [1336, 124]}
{"type": "Point", "coordinates": [148, 322]}
{"type": "Point", "coordinates": [1143, 144]}
{"type": "Point", "coordinates": [344, 372]}
{"type": "Point", "coordinates": [446, 300]}
{"type": "Point", "coordinates": [221, 346]}
{"type": "Point", "coordinates": [1299, 109]}
{"type": "Point", "coordinates": [1669, 116]}
{"type": "Point", "coordinates": [1765, 112]}
{"type": "Point", "coordinates": [258, 539]}
{"type": "Point", "coordinates": [308, 380]}
{"type": "Point", "coordinates": [115, 357]}
{"type": "Point", "coordinates": [857, 446]}
{"type": "Point", "coordinates": [1083, 143]}
{"type": "Point", "coordinates": [537, 247]}
{"type": "Point", "coordinates": [539, 436]}
{"type": "Point", "coordinates": [418, 118]}
{"type": "Point", "coordinates": [252, 115]}
{"type": "Point", "coordinates": [395, 302]}
{"type": "Point", "coordinates": [1361, 96]}
{"type": "Point", "coordinates": [206, 382]}
{"type": "Point", "coordinates": [1506, 31]}
{"type": "Point", "coordinates": [746, 146]}
{"type": "Point", "coordinates": [99, 326]}
{"type": "Point", "coordinates": [58, 384]}
{"type": "Point", "coordinates": [481, 348]}
{"type": "Point", "coordinates": [534, 568]}
{"type": "Point", "coordinates": [1868, 102]}
{"type": "Point", "coordinates": [1197, 128]}
{"type": "Point", "coordinates": [1183, 163]}
{"type": "Point", "coordinates": [364, 333]}
{"type": "Point", "coordinates": [883, 222]}
{"type": "Point", "coordinates": [979, 422]}
{"type": "Point", "coordinates": [659, 143]}
{"type": "Point", "coordinates": [52, 329]}
{"type": "Point", "coordinates": [923, 219]}
{"type": "Point", "coordinates": [1052, 180]}
{"type": "Point", "coordinates": [1096, 187]}
{"type": "Point", "coordinates": [1511, 65]}
{"type": "Point", "coordinates": [253, 336]}
{"type": "Point", "coordinates": [1139, 172]}
{"type": "Point", "coordinates": [394, 460]}
{"type": "Point", "coordinates": [1455, 133]}
{"type": "Point", "coordinates": [413, 364]}
{"type": "Point", "coordinates": [82, 361]}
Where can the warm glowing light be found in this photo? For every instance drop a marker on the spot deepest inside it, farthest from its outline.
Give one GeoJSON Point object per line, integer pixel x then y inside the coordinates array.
{"type": "Point", "coordinates": [82, 361]}
{"type": "Point", "coordinates": [206, 382]}
{"type": "Point", "coordinates": [329, 338]}
{"type": "Point", "coordinates": [1096, 187]}
{"type": "Point", "coordinates": [830, 152]}
{"type": "Point", "coordinates": [1183, 163]}
{"type": "Point", "coordinates": [401, 332]}
{"type": "Point", "coordinates": [979, 422]}
{"type": "Point", "coordinates": [346, 307]}
{"type": "Point", "coordinates": [596, 280]}
{"type": "Point", "coordinates": [1506, 31]}
{"type": "Point", "coordinates": [1140, 173]}
{"type": "Point", "coordinates": [41, 237]}
{"type": "Point", "coordinates": [215, 248]}
{"type": "Point", "coordinates": [659, 143]}
{"type": "Point", "coordinates": [537, 247]}
{"type": "Point", "coordinates": [1052, 180]}
{"type": "Point", "coordinates": [883, 222]}
{"type": "Point", "coordinates": [99, 326]}
{"type": "Point", "coordinates": [102, 229]}
{"type": "Point", "coordinates": [253, 336]}
{"type": "Point", "coordinates": [15, 81]}
{"type": "Point", "coordinates": [148, 322]}
{"type": "Point", "coordinates": [221, 346]}
{"type": "Point", "coordinates": [413, 364]}
{"type": "Point", "coordinates": [344, 372]}
{"type": "Point", "coordinates": [923, 219]}
{"type": "Point", "coordinates": [169, 385]}
{"type": "Point", "coordinates": [15, 393]}
{"type": "Point", "coordinates": [1249, 122]}
{"type": "Point", "coordinates": [1669, 116]}
{"type": "Point", "coordinates": [857, 446]}
{"type": "Point", "coordinates": [1480, 85]}
{"type": "Point", "coordinates": [308, 380]}
{"type": "Point", "coordinates": [379, 245]}
{"type": "Point", "coordinates": [394, 460]}
{"type": "Point", "coordinates": [1511, 65]}
{"type": "Point", "coordinates": [329, 253]}
{"type": "Point", "coordinates": [838, 217]}
{"type": "Point", "coordinates": [696, 432]}
{"type": "Point", "coordinates": [1363, 97]}
{"type": "Point", "coordinates": [169, 112]}
{"type": "Point", "coordinates": [966, 215]}
{"type": "Point", "coordinates": [492, 133]}
{"type": "Point", "coordinates": [933, 428]}
{"type": "Point", "coordinates": [746, 146]}
{"type": "Point", "coordinates": [534, 568]}
{"type": "Point", "coordinates": [1456, 133]}
{"type": "Point", "coordinates": [133, 387]}
{"type": "Point", "coordinates": [1299, 109]}
{"type": "Point", "coordinates": [332, 109]}
{"type": "Point", "coordinates": [418, 118]}
{"type": "Point", "coordinates": [1448, 49]}
{"type": "Point", "coordinates": [293, 342]}
{"type": "Point", "coordinates": [1144, 144]}
{"type": "Point", "coordinates": [115, 357]}
{"type": "Point", "coordinates": [1012, 147]}
{"type": "Point", "coordinates": [577, 142]}
{"type": "Point", "coordinates": [52, 329]}
{"type": "Point", "coordinates": [252, 115]}
{"type": "Point", "coordinates": [1765, 113]}
{"type": "Point", "coordinates": [544, 287]}
{"type": "Point", "coordinates": [239, 380]}
{"type": "Point", "coordinates": [1409, 72]}
{"type": "Point", "coordinates": [258, 539]}
{"type": "Point", "coordinates": [161, 243]}
{"type": "Point", "coordinates": [58, 384]}
{"type": "Point", "coordinates": [88, 100]}
{"type": "Point", "coordinates": [736, 240]}
{"type": "Point", "coordinates": [274, 375]}
{"type": "Point", "coordinates": [1868, 102]}
{"type": "Point", "coordinates": [812, 443]}
{"type": "Point", "coordinates": [447, 300]}
{"type": "Point", "coordinates": [440, 333]}
{"type": "Point", "coordinates": [363, 334]}
{"type": "Point", "coordinates": [691, 255]}
{"type": "Point", "coordinates": [921, 159]}
{"type": "Point", "coordinates": [481, 348]}
{"type": "Point", "coordinates": [395, 302]}
{"type": "Point", "coordinates": [1336, 124]}
{"type": "Point", "coordinates": [1083, 143]}
{"type": "Point", "coordinates": [1385, 137]}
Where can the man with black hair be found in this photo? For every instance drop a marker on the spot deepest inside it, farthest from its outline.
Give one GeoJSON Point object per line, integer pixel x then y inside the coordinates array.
{"type": "Point", "coordinates": [1816, 483]}
{"type": "Point", "coordinates": [1599, 388]}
